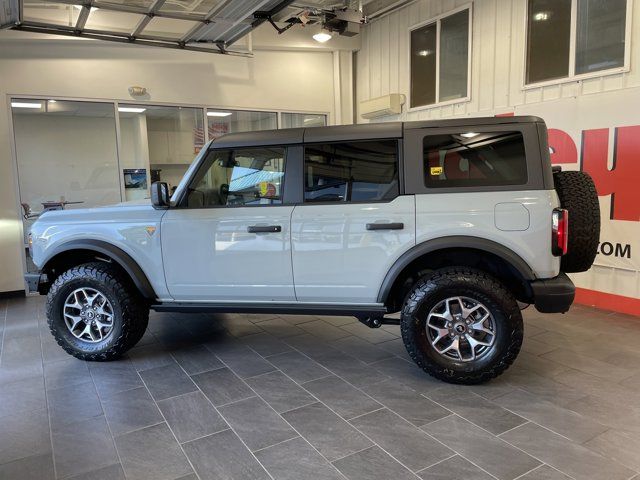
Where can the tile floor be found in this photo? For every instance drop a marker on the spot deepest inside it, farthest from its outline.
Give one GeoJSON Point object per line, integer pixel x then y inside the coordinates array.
{"type": "Point", "coordinates": [304, 397]}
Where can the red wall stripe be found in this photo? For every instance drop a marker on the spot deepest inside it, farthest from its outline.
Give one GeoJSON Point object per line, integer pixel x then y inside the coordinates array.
{"type": "Point", "coordinates": [608, 301]}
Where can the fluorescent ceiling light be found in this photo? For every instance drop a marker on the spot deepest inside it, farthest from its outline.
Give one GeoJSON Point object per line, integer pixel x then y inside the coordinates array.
{"type": "Point", "coordinates": [219, 114]}
{"type": "Point", "coordinates": [424, 53]}
{"type": "Point", "coordinates": [80, 7]}
{"type": "Point", "coordinates": [52, 101]}
{"type": "Point", "coordinates": [131, 109]}
{"type": "Point", "coordinates": [26, 105]}
{"type": "Point", "coordinates": [322, 36]}
{"type": "Point", "coordinates": [541, 16]}
{"type": "Point", "coordinates": [469, 134]}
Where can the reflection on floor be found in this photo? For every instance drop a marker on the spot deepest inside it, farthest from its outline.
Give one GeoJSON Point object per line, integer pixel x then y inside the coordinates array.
{"type": "Point", "coordinates": [303, 397]}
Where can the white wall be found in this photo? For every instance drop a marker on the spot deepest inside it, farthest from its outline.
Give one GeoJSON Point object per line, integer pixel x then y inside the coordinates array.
{"type": "Point", "coordinates": [497, 79]}
{"type": "Point", "coordinates": [43, 66]}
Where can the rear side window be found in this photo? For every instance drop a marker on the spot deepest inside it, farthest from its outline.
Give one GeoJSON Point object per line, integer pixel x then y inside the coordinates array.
{"type": "Point", "coordinates": [351, 172]}
{"type": "Point", "coordinates": [471, 159]}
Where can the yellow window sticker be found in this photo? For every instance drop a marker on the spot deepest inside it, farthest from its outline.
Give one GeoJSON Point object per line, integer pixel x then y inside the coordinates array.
{"type": "Point", "coordinates": [436, 171]}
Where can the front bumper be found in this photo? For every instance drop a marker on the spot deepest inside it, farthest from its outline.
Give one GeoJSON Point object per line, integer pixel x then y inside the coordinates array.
{"type": "Point", "coordinates": [553, 295]}
{"type": "Point", "coordinates": [37, 283]}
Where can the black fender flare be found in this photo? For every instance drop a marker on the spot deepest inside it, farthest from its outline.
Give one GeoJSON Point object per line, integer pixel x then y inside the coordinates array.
{"type": "Point", "coordinates": [118, 255]}
{"type": "Point", "coordinates": [456, 241]}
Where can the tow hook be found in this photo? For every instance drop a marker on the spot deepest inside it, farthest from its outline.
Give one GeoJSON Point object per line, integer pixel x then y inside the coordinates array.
{"type": "Point", "coordinates": [377, 322]}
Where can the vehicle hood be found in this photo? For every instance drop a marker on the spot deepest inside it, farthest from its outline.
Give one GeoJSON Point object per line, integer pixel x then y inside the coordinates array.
{"type": "Point", "coordinates": [132, 211]}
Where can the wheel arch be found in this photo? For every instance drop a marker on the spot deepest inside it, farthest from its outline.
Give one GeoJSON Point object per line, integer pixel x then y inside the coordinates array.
{"type": "Point", "coordinates": [76, 252]}
{"type": "Point", "coordinates": [475, 252]}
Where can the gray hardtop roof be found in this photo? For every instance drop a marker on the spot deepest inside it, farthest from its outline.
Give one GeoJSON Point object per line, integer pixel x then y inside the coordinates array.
{"type": "Point", "coordinates": [366, 131]}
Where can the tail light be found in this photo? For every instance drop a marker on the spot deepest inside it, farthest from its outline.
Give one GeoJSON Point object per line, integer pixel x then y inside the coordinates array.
{"type": "Point", "coordinates": [560, 232]}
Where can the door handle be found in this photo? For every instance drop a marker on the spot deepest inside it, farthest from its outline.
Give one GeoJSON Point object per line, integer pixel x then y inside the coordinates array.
{"type": "Point", "coordinates": [385, 226]}
{"type": "Point", "coordinates": [264, 228]}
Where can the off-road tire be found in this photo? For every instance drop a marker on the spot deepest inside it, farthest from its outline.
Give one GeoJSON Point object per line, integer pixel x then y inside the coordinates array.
{"type": "Point", "coordinates": [578, 195]}
{"type": "Point", "coordinates": [131, 311]}
{"type": "Point", "coordinates": [468, 282]}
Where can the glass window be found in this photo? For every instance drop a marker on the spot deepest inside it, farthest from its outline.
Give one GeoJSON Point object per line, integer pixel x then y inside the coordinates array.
{"type": "Point", "coordinates": [66, 155]}
{"type": "Point", "coordinates": [163, 139]}
{"type": "Point", "coordinates": [221, 122]}
{"type": "Point", "coordinates": [251, 176]}
{"type": "Point", "coordinates": [474, 159]}
{"type": "Point", "coordinates": [449, 63]}
{"type": "Point", "coordinates": [356, 171]}
{"type": "Point", "coordinates": [599, 40]}
{"type": "Point", "coordinates": [293, 120]}
{"type": "Point", "coordinates": [46, 11]}
{"type": "Point", "coordinates": [549, 27]}
{"type": "Point", "coordinates": [601, 34]}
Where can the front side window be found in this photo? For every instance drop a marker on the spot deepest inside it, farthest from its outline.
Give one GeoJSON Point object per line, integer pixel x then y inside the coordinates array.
{"type": "Point", "coordinates": [554, 52]}
{"type": "Point", "coordinates": [251, 176]}
{"type": "Point", "coordinates": [440, 60]}
{"type": "Point", "coordinates": [471, 159]}
{"type": "Point", "coordinates": [351, 172]}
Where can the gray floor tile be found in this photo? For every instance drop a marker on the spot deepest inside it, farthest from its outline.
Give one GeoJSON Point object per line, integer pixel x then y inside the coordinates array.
{"type": "Point", "coordinates": [407, 373]}
{"type": "Point", "coordinates": [196, 359]}
{"type": "Point", "coordinates": [114, 377]}
{"type": "Point", "coordinates": [620, 446]}
{"type": "Point", "coordinates": [478, 410]}
{"type": "Point", "coordinates": [352, 370]}
{"type": "Point", "coordinates": [565, 455]}
{"type": "Point", "coordinates": [23, 435]}
{"type": "Point", "coordinates": [69, 405]}
{"type": "Point", "coordinates": [408, 444]}
{"type": "Point", "coordinates": [39, 467]}
{"type": "Point", "coordinates": [341, 397]}
{"type": "Point", "coordinates": [152, 453]}
{"type": "Point", "coordinates": [588, 365]}
{"type": "Point", "coordinates": [299, 367]}
{"type": "Point", "coordinates": [331, 435]}
{"type": "Point", "coordinates": [372, 464]}
{"type": "Point", "coordinates": [309, 345]}
{"type": "Point", "coordinates": [167, 381]}
{"type": "Point", "coordinates": [565, 422]}
{"type": "Point", "coordinates": [280, 328]}
{"type": "Point", "coordinates": [130, 410]}
{"type": "Point", "coordinates": [66, 373]}
{"type": "Point", "coordinates": [265, 344]}
{"type": "Point", "coordinates": [112, 472]}
{"type": "Point", "coordinates": [296, 460]}
{"type": "Point", "coordinates": [361, 349]}
{"type": "Point", "coordinates": [373, 335]}
{"type": "Point", "coordinates": [150, 356]}
{"type": "Point", "coordinates": [22, 395]}
{"type": "Point", "coordinates": [545, 472]}
{"type": "Point", "coordinates": [222, 386]}
{"type": "Point", "coordinates": [323, 330]}
{"type": "Point", "coordinates": [257, 424]}
{"type": "Point", "coordinates": [243, 361]}
{"type": "Point", "coordinates": [191, 416]}
{"type": "Point", "coordinates": [279, 391]}
{"type": "Point", "coordinates": [454, 468]}
{"type": "Point", "coordinates": [480, 447]}
{"type": "Point", "coordinates": [223, 457]}
{"type": "Point", "coordinates": [406, 402]}
{"type": "Point", "coordinates": [82, 447]}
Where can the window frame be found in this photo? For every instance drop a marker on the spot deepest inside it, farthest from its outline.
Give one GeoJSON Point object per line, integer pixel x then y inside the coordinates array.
{"type": "Point", "coordinates": [399, 164]}
{"type": "Point", "coordinates": [573, 39]}
{"type": "Point", "coordinates": [437, 20]}
{"type": "Point", "coordinates": [181, 203]}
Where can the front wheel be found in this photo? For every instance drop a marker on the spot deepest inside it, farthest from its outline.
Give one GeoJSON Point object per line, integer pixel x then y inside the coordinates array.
{"type": "Point", "coordinates": [95, 313]}
{"type": "Point", "coordinates": [461, 325]}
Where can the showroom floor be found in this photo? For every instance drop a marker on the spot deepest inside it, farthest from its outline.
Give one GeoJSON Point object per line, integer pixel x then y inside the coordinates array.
{"type": "Point", "coordinates": [302, 397]}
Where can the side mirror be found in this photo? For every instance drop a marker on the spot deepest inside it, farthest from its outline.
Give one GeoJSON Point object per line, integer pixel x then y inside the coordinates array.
{"type": "Point", "coordinates": [160, 195]}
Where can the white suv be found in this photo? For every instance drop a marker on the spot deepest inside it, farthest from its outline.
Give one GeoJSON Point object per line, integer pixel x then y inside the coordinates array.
{"type": "Point", "coordinates": [455, 223]}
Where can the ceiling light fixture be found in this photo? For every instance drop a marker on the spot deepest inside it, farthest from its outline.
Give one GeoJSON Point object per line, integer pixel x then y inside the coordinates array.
{"type": "Point", "coordinates": [26, 105]}
{"type": "Point", "coordinates": [424, 53]}
{"type": "Point", "coordinates": [469, 134]}
{"type": "Point", "coordinates": [52, 101]}
{"type": "Point", "coordinates": [322, 36]}
{"type": "Point", "coordinates": [541, 16]}
{"type": "Point", "coordinates": [80, 7]}
{"type": "Point", "coordinates": [131, 109]}
{"type": "Point", "coordinates": [219, 114]}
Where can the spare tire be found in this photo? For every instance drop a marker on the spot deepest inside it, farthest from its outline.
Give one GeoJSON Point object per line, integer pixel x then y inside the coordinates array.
{"type": "Point", "coordinates": [578, 195]}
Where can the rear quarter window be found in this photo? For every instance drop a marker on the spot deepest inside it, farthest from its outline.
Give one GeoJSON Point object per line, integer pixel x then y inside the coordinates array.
{"type": "Point", "coordinates": [470, 159]}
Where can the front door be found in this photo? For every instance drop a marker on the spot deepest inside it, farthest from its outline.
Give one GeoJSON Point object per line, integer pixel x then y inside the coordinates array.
{"type": "Point", "coordinates": [229, 239]}
{"type": "Point", "coordinates": [353, 224]}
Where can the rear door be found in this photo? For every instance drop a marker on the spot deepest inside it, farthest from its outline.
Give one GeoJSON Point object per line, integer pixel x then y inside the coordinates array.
{"type": "Point", "coordinates": [352, 224]}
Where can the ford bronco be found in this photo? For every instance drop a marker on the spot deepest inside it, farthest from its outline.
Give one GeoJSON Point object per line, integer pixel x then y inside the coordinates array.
{"type": "Point", "coordinates": [456, 224]}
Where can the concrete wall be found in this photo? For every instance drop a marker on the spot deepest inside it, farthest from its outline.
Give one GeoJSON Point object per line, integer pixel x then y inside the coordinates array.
{"type": "Point", "coordinates": [45, 67]}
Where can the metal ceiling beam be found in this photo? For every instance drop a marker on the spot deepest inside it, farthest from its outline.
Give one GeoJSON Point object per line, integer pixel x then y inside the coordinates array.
{"type": "Point", "coordinates": [215, 11]}
{"type": "Point", "coordinates": [221, 37]}
{"type": "Point", "coordinates": [83, 16]}
{"type": "Point", "coordinates": [144, 21]}
{"type": "Point", "coordinates": [259, 21]}
{"type": "Point", "coordinates": [122, 7]}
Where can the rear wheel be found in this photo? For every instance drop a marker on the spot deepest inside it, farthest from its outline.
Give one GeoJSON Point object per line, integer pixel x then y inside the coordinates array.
{"type": "Point", "coordinates": [461, 325]}
{"type": "Point", "coordinates": [94, 312]}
